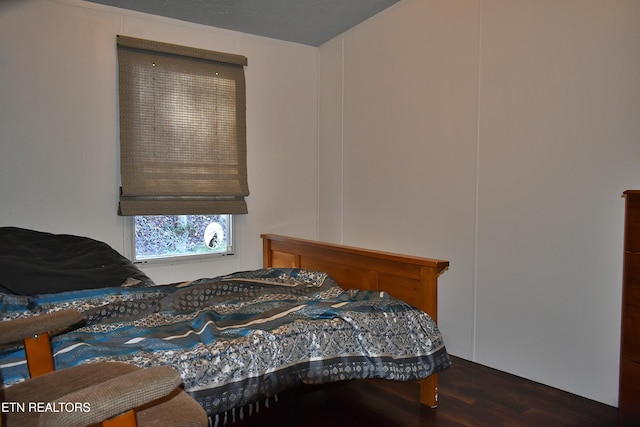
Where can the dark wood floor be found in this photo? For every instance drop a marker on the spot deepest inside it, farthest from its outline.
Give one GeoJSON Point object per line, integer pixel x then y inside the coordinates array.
{"type": "Point", "coordinates": [465, 400]}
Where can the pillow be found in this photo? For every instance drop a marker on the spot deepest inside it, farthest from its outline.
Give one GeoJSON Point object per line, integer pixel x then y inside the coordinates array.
{"type": "Point", "coordinates": [35, 262]}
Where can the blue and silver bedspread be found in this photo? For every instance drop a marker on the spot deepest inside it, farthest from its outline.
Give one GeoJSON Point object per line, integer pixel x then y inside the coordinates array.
{"type": "Point", "coordinates": [241, 338]}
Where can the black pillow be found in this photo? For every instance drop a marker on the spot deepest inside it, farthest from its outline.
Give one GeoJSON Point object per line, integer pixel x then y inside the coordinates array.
{"type": "Point", "coordinates": [35, 262]}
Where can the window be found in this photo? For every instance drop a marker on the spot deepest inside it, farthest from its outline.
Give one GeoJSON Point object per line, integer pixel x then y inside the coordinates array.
{"type": "Point", "coordinates": [159, 237]}
{"type": "Point", "coordinates": [182, 145]}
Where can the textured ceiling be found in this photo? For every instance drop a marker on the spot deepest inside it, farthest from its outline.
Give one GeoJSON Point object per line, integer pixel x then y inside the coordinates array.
{"type": "Point", "coordinates": [310, 22]}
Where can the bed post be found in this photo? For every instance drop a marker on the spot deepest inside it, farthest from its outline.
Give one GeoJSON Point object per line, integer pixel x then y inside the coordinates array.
{"type": "Point", "coordinates": [429, 281]}
{"type": "Point", "coordinates": [267, 259]}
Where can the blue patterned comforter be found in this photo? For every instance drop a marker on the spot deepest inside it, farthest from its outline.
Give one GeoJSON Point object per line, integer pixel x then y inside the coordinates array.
{"type": "Point", "coordinates": [241, 338]}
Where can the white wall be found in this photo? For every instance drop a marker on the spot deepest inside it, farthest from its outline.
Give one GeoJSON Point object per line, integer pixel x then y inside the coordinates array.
{"type": "Point", "coordinates": [59, 152]}
{"type": "Point", "coordinates": [498, 135]}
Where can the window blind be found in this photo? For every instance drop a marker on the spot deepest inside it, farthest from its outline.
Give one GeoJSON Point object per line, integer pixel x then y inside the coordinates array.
{"type": "Point", "coordinates": [182, 130]}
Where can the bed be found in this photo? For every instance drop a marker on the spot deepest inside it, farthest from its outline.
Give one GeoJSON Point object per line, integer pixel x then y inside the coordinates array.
{"type": "Point", "coordinates": [315, 313]}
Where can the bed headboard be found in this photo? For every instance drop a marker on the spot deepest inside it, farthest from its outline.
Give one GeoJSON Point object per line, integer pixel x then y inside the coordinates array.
{"type": "Point", "coordinates": [412, 279]}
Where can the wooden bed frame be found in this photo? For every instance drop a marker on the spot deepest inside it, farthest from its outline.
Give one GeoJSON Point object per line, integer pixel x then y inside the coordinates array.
{"type": "Point", "coordinates": [412, 279]}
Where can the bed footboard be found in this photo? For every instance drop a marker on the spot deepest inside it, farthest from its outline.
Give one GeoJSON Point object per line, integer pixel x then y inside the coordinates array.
{"type": "Point", "coordinates": [411, 279]}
